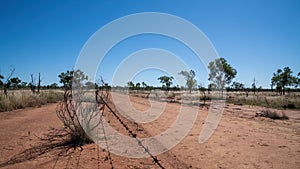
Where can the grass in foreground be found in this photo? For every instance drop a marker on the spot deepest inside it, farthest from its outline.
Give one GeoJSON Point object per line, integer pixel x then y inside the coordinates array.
{"type": "Point", "coordinates": [22, 99]}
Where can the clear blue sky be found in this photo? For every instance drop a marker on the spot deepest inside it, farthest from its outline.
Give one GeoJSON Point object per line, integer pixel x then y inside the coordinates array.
{"type": "Point", "coordinates": [256, 37]}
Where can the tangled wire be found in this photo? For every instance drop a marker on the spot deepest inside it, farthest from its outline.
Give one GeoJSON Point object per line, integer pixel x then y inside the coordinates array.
{"type": "Point", "coordinates": [79, 113]}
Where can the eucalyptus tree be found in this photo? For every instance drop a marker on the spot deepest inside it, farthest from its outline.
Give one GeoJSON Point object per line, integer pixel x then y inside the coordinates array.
{"type": "Point", "coordinates": [166, 81]}
{"type": "Point", "coordinates": [70, 78]}
{"type": "Point", "coordinates": [283, 78]}
{"type": "Point", "coordinates": [191, 82]}
{"type": "Point", "coordinates": [221, 73]}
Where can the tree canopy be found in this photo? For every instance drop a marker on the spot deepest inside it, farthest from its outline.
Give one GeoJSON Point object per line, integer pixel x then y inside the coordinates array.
{"type": "Point", "coordinates": [238, 86]}
{"type": "Point", "coordinates": [283, 78]}
{"type": "Point", "coordinates": [130, 84]}
{"type": "Point", "coordinates": [15, 82]}
{"type": "Point", "coordinates": [191, 82]}
{"type": "Point", "coordinates": [221, 73]}
{"type": "Point", "coordinates": [69, 77]}
{"type": "Point", "coordinates": [166, 81]}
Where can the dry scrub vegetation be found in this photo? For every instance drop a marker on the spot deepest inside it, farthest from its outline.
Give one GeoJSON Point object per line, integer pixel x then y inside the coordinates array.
{"type": "Point", "coordinates": [202, 98]}
{"type": "Point", "coordinates": [18, 99]}
{"type": "Point", "coordinates": [65, 146]}
{"type": "Point", "coordinates": [266, 99]}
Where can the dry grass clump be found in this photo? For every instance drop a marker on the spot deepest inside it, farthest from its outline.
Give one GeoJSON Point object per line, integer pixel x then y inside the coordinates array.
{"type": "Point", "coordinates": [272, 115]}
{"type": "Point", "coordinates": [278, 102]}
{"type": "Point", "coordinates": [23, 99]}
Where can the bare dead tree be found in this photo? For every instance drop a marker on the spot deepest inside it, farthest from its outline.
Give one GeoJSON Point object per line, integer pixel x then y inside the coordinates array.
{"type": "Point", "coordinates": [39, 83]}
{"type": "Point", "coordinates": [7, 82]}
{"type": "Point", "coordinates": [32, 84]}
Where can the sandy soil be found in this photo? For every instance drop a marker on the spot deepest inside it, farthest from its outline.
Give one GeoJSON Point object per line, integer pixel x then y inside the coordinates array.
{"type": "Point", "coordinates": [240, 141]}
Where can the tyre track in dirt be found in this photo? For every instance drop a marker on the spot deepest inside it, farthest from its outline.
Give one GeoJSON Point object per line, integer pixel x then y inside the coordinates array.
{"type": "Point", "coordinates": [136, 131]}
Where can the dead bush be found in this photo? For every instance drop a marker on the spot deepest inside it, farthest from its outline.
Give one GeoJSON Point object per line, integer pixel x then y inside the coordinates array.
{"type": "Point", "coordinates": [67, 114]}
{"type": "Point", "coordinates": [82, 114]}
{"type": "Point", "coordinates": [272, 115]}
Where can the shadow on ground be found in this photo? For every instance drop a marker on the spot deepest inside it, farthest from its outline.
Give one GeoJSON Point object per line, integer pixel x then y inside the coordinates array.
{"type": "Point", "coordinates": [56, 142]}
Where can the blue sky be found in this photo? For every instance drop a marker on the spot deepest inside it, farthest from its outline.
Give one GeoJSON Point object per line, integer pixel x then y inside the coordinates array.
{"type": "Point", "coordinates": [256, 37]}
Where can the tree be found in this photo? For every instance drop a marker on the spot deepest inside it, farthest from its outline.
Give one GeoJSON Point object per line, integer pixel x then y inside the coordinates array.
{"type": "Point", "coordinates": [202, 89]}
{"type": "Point", "coordinates": [221, 73]}
{"type": "Point", "coordinates": [166, 81]}
{"type": "Point", "coordinates": [7, 83]}
{"type": "Point", "coordinates": [53, 86]}
{"type": "Point", "coordinates": [66, 79]}
{"type": "Point", "coordinates": [1, 82]}
{"type": "Point", "coordinates": [298, 80]}
{"type": "Point", "coordinates": [39, 83]}
{"type": "Point", "coordinates": [254, 86]}
{"type": "Point", "coordinates": [130, 84]}
{"type": "Point", "coordinates": [14, 81]}
{"type": "Point", "coordinates": [259, 89]}
{"type": "Point", "coordinates": [138, 85]}
{"type": "Point", "coordinates": [144, 85]}
{"type": "Point", "coordinates": [23, 85]}
{"type": "Point", "coordinates": [283, 78]}
{"type": "Point", "coordinates": [79, 78]}
{"type": "Point", "coordinates": [191, 82]}
{"type": "Point", "coordinates": [72, 77]}
{"type": "Point", "coordinates": [32, 84]}
{"type": "Point", "coordinates": [238, 86]}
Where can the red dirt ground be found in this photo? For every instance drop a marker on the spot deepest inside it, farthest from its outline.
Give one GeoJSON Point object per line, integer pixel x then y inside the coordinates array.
{"type": "Point", "coordinates": [240, 141]}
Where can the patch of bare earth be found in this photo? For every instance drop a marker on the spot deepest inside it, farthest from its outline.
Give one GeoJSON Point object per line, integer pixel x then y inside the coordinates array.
{"type": "Point", "coordinates": [240, 141]}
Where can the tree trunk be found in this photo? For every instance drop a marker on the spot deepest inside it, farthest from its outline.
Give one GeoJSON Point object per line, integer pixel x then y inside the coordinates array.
{"type": "Point", "coordinates": [222, 92]}
{"type": "Point", "coordinates": [39, 83]}
{"type": "Point", "coordinates": [32, 87]}
{"type": "Point", "coordinates": [5, 91]}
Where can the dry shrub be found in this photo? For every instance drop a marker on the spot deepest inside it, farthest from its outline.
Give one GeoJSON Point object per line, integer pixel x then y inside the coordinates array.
{"type": "Point", "coordinates": [83, 116]}
{"type": "Point", "coordinates": [170, 95]}
{"type": "Point", "coordinates": [289, 106]}
{"type": "Point", "coordinates": [272, 115]}
{"type": "Point", "coordinates": [67, 114]}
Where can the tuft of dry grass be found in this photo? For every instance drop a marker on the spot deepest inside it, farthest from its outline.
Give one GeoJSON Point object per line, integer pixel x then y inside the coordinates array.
{"type": "Point", "coordinates": [272, 115]}
{"type": "Point", "coordinates": [24, 98]}
{"type": "Point", "coordinates": [266, 100]}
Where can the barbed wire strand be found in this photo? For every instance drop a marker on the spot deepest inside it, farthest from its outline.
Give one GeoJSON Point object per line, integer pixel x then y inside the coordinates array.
{"type": "Point", "coordinates": [132, 134]}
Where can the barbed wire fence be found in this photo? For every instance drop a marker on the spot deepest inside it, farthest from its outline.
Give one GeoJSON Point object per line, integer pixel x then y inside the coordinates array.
{"type": "Point", "coordinates": [79, 123]}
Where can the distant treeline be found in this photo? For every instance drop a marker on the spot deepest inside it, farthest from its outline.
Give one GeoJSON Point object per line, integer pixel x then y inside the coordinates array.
{"type": "Point", "coordinates": [228, 89]}
{"type": "Point", "coordinates": [221, 75]}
